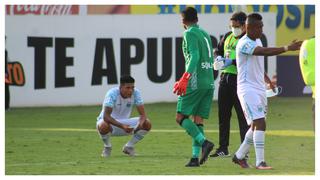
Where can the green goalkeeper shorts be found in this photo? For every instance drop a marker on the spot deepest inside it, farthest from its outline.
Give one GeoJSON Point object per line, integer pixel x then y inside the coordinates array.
{"type": "Point", "coordinates": [197, 103]}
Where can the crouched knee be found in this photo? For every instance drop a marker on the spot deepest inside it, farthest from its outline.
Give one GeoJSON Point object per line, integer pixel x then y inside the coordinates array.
{"type": "Point", "coordinates": [147, 125]}
{"type": "Point", "coordinates": [104, 128]}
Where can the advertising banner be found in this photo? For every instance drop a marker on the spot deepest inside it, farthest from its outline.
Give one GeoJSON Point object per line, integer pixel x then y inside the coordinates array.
{"type": "Point", "coordinates": [74, 60]}
{"type": "Point", "coordinates": [42, 9]}
{"type": "Point", "coordinates": [292, 21]}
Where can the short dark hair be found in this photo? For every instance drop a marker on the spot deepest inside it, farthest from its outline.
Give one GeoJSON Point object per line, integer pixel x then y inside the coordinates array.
{"type": "Point", "coordinates": [239, 16]}
{"type": "Point", "coordinates": [126, 79]}
{"type": "Point", "coordinates": [190, 14]}
{"type": "Point", "coordinates": [253, 17]}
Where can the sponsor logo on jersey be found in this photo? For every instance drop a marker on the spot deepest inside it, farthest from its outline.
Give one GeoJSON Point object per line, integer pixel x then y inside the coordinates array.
{"type": "Point", "coordinates": [206, 65]}
{"type": "Point", "coordinates": [260, 109]}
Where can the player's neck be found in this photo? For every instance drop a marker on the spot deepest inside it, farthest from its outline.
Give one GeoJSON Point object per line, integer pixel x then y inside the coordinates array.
{"type": "Point", "coordinates": [191, 24]}
{"type": "Point", "coordinates": [123, 95]}
{"type": "Point", "coordinates": [238, 37]}
{"type": "Point", "coordinates": [251, 37]}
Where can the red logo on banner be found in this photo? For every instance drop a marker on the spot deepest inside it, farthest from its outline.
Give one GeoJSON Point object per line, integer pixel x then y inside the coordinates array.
{"type": "Point", "coordinates": [42, 9]}
{"type": "Point", "coordinates": [15, 74]}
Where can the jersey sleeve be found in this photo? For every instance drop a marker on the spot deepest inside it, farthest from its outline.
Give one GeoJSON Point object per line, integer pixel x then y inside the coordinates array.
{"type": "Point", "coordinates": [248, 47]}
{"type": "Point", "coordinates": [137, 98]}
{"type": "Point", "coordinates": [110, 99]}
{"type": "Point", "coordinates": [193, 49]}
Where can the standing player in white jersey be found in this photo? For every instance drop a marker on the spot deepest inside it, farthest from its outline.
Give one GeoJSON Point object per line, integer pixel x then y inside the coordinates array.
{"type": "Point", "coordinates": [251, 88]}
{"type": "Point", "coordinates": [114, 119]}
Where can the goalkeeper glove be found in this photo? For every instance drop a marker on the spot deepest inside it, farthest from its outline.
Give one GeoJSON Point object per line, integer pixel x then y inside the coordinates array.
{"type": "Point", "coordinates": [180, 87]}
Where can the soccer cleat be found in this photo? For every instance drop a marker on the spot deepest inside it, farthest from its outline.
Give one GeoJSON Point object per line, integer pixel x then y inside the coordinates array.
{"type": "Point", "coordinates": [220, 153]}
{"type": "Point", "coordinates": [194, 162]}
{"type": "Point", "coordinates": [263, 166]}
{"type": "Point", "coordinates": [207, 147]}
{"type": "Point", "coordinates": [106, 152]}
{"type": "Point", "coordinates": [128, 150]}
{"type": "Point", "coordinates": [241, 162]}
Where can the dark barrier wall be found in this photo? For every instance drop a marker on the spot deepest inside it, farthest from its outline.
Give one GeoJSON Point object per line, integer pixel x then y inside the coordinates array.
{"type": "Point", "coordinates": [289, 76]}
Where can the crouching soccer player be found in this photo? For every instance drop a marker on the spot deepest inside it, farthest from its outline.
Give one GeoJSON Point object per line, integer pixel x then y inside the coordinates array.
{"type": "Point", "coordinates": [114, 118]}
{"type": "Point", "coordinates": [195, 88]}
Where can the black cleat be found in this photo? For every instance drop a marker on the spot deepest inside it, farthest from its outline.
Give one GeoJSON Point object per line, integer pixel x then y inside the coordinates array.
{"type": "Point", "coordinates": [207, 147]}
{"type": "Point", "coordinates": [263, 166]}
{"type": "Point", "coordinates": [194, 162]}
{"type": "Point", "coordinates": [241, 162]}
{"type": "Point", "coordinates": [220, 153]}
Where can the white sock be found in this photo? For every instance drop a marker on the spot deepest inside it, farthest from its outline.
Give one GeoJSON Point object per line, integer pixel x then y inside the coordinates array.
{"type": "Point", "coordinates": [106, 139]}
{"type": "Point", "coordinates": [258, 141]}
{"type": "Point", "coordinates": [245, 146]}
{"type": "Point", "coordinates": [136, 137]}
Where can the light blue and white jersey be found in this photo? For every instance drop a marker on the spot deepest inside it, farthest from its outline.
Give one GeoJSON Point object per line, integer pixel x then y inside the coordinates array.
{"type": "Point", "coordinates": [121, 108]}
{"type": "Point", "coordinates": [250, 67]}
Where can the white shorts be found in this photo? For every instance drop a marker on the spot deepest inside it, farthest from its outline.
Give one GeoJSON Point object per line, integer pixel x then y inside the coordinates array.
{"type": "Point", "coordinates": [116, 131]}
{"type": "Point", "coordinates": [254, 105]}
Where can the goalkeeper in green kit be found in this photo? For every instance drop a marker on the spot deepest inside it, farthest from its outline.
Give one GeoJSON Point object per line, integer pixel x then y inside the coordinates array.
{"type": "Point", "coordinates": [195, 87]}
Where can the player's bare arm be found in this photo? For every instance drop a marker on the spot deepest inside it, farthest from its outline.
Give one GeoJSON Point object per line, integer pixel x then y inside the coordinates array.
{"type": "Point", "coordinates": [142, 114]}
{"type": "Point", "coordinates": [271, 51]}
{"type": "Point", "coordinates": [268, 82]}
{"type": "Point", "coordinates": [110, 120]}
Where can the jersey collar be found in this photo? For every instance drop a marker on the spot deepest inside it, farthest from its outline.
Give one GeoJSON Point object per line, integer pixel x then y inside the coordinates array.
{"type": "Point", "coordinates": [193, 25]}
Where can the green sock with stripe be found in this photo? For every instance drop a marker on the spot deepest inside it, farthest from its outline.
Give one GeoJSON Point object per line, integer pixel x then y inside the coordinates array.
{"type": "Point", "coordinates": [193, 130]}
{"type": "Point", "coordinates": [196, 147]}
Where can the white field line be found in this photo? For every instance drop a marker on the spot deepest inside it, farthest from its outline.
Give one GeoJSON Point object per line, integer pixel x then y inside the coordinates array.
{"type": "Point", "coordinates": [296, 133]}
{"type": "Point", "coordinates": [51, 163]}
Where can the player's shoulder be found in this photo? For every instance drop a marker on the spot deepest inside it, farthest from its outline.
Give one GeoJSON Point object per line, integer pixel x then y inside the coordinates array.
{"type": "Point", "coordinates": [259, 42]}
{"type": "Point", "coordinates": [113, 92]}
{"type": "Point", "coordinates": [227, 35]}
{"type": "Point", "coordinates": [191, 31]}
{"type": "Point", "coordinates": [137, 97]}
{"type": "Point", "coordinates": [188, 32]}
{"type": "Point", "coordinates": [245, 40]}
{"type": "Point", "coordinates": [136, 91]}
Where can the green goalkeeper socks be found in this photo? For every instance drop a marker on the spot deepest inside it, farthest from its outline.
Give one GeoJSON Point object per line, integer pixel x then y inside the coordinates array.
{"type": "Point", "coordinates": [200, 127]}
{"type": "Point", "coordinates": [193, 130]}
{"type": "Point", "coordinates": [195, 150]}
{"type": "Point", "coordinates": [196, 147]}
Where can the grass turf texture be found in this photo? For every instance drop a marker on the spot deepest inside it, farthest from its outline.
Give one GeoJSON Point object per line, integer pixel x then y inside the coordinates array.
{"type": "Point", "coordinates": [63, 140]}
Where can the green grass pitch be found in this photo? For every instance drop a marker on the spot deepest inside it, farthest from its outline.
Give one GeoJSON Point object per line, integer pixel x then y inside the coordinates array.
{"type": "Point", "coordinates": [63, 141]}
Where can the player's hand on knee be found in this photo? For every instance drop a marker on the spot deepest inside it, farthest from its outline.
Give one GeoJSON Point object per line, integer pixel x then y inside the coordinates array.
{"type": "Point", "coordinates": [127, 128]}
{"type": "Point", "coordinates": [104, 128]}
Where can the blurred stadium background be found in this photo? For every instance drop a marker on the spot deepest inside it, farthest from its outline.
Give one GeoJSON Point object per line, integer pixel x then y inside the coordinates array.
{"type": "Point", "coordinates": [79, 51]}
{"type": "Point", "coordinates": [70, 55]}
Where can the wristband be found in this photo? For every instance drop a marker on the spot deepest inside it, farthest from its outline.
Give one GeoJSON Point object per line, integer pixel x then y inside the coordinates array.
{"type": "Point", "coordinates": [286, 48]}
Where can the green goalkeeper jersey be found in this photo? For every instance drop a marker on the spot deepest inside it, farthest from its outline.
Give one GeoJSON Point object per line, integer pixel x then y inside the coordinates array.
{"type": "Point", "coordinates": [198, 54]}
